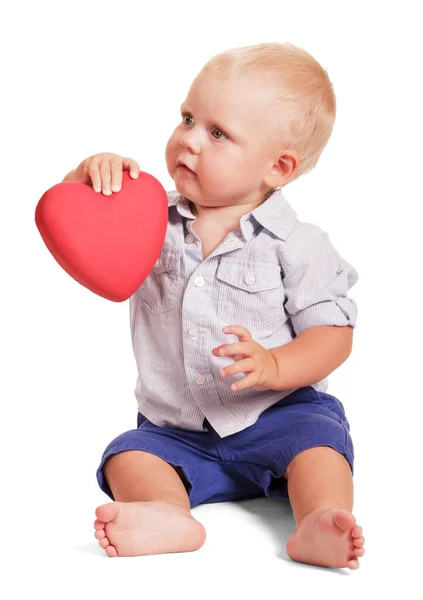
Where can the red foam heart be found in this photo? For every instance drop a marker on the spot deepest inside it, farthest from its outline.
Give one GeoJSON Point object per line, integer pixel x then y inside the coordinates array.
{"type": "Point", "coordinates": [109, 244]}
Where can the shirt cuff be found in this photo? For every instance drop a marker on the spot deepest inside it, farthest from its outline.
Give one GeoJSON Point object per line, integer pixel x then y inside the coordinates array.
{"type": "Point", "coordinates": [341, 312]}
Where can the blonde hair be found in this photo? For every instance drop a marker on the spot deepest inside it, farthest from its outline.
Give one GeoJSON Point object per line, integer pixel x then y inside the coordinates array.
{"type": "Point", "coordinates": [303, 100]}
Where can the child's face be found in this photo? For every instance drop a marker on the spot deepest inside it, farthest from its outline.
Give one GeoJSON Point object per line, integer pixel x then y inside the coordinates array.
{"type": "Point", "coordinates": [225, 139]}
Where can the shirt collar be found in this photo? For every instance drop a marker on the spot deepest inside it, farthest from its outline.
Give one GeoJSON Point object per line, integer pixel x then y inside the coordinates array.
{"type": "Point", "coordinates": [274, 214]}
{"type": "Point", "coordinates": [181, 203]}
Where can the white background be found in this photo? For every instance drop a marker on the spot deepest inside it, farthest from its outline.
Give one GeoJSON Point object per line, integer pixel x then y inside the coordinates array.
{"type": "Point", "coordinates": [80, 78]}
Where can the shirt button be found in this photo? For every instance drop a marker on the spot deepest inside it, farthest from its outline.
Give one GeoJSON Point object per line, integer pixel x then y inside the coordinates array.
{"type": "Point", "coordinates": [190, 238]}
{"type": "Point", "coordinates": [199, 281]}
{"type": "Point", "coordinates": [249, 279]}
{"type": "Point", "coordinates": [200, 379]}
{"type": "Point", "coordinates": [193, 331]}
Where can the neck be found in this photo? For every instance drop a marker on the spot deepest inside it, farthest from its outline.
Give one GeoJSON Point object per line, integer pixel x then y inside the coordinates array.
{"type": "Point", "coordinates": [223, 214]}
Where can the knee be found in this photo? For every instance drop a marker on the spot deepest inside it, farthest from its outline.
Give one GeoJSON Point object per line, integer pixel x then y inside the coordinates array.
{"type": "Point", "coordinates": [316, 455]}
{"type": "Point", "coordinates": [117, 461]}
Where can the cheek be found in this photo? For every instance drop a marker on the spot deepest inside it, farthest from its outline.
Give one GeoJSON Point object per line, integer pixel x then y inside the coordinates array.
{"type": "Point", "coordinates": [222, 165]}
{"type": "Point", "coordinates": [170, 152]}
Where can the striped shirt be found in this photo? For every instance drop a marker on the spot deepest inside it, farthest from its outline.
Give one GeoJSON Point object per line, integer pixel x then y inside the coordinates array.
{"type": "Point", "coordinates": [275, 275]}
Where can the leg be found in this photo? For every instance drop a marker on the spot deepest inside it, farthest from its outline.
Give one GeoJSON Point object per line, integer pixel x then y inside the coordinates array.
{"type": "Point", "coordinates": [140, 476]}
{"type": "Point", "coordinates": [151, 514]}
{"type": "Point", "coordinates": [320, 490]}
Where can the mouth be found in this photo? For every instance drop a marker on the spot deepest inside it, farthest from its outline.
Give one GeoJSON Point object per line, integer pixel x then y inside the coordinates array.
{"type": "Point", "coordinates": [183, 167]}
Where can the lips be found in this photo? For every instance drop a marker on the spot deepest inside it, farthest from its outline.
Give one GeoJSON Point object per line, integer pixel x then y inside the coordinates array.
{"type": "Point", "coordinates": [180, 163]}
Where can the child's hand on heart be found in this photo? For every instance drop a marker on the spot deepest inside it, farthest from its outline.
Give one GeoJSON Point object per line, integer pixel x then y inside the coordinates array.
{"type": "Point", "coordinates": [103, 172]}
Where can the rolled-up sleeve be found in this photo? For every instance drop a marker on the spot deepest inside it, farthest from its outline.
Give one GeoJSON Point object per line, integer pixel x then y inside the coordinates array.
{"type": "Point", "coordinates": [316, 286]}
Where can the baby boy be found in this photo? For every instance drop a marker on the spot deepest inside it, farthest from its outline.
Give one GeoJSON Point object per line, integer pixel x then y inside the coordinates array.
{"type": "Point", "coordinates": [238, 325]}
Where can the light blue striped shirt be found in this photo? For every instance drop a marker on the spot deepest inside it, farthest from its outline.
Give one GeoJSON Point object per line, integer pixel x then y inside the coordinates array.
{"type": "Point", "coordinates": [275, 275]}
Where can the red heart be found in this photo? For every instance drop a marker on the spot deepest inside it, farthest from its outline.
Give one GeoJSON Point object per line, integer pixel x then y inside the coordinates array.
{"type": "Point", "coordinates": [109, 244]}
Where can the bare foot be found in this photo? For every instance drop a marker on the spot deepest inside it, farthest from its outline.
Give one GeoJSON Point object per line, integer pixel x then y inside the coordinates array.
{"type": "Point", "coordinates": [140, 528]}
{"type": "Point", "coordinates": [328, 538]}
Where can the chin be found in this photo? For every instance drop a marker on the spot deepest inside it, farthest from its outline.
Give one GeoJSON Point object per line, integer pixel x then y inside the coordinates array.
{"type": "Point", "coordinates": [181, 188]}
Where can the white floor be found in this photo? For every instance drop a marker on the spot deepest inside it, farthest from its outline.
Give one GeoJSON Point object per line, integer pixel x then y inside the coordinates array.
{"type": "Point", "coordinates": [52, 552]}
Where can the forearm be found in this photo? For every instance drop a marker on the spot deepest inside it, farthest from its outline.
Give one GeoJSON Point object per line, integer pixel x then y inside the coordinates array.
{"type": "Point", "coordinates": [311, 356]}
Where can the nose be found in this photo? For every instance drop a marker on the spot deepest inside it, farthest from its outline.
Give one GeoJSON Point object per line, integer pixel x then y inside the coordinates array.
{"type": "Point", "coordinates": [190, 141]}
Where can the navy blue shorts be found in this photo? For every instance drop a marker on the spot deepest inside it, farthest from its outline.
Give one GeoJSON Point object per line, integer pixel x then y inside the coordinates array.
{"type": "Point", "coordinates": [249, 463]}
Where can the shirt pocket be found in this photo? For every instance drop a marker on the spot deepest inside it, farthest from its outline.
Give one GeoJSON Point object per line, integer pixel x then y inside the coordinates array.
{"type": "Point", "coordinates": [250, 293]}
{"type": "Point", "coordinates": [159, 290]}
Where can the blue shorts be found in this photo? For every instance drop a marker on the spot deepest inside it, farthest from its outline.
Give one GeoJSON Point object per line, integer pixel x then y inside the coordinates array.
{"type": "Point", "coordinates": [249, 463]}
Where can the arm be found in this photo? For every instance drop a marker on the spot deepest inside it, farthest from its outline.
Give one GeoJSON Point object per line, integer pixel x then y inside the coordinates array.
{"type": "Point", "coordinates": [311, 356]}
{"type": "Point", "coordinates": [322, 318]}
{"type": "Point", "coordinates": [322, 315]}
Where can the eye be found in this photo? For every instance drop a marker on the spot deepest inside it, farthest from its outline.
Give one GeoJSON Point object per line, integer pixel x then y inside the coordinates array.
{"type": "Point", "coordinates": [216, 129]}
{"type": "Point", "coordinates": [187, 116]}
{"type": "Point", "coordinates": [188, 119]}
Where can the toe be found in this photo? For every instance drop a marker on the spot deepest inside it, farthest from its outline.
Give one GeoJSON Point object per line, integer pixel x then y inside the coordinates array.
{"type": "Point", "coordinates": [356, 531]}
{"type": "Point", "coordinates": [107, 512]}
{"type": "Point", "coordinates": [359, 542]}
{"type": "Point", "coordinates": [344, 519]}
{"type": "Point", "coordinates": [104, 542]}
{"type": "Point", "coordinates": [353, 564]}
{"type": "Point", "coordinates": [98, 524]}
{"type": "Point", "coordinates": [100, 534]}
{"type": "Point", "coordinates": [359, 552]}
{"type": "Point", "coordinates": [111, 551]}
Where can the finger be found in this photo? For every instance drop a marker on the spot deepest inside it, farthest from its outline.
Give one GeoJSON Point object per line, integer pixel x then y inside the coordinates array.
{"type": "Point", "coordinates": [243, 334]}
{"type": "Point", "coordinates": [237, 348]}
{"type": "Point", "coordinates": [132, 166]}
{"type": "Point", "coordinates": [94, 173]}
{"type": "Point", "coordinates": [221, 350]}
{"type": "Point", "coordinates": [116, 167]}
{"type": "Point", "coordinates": [248, 381]}
{"type": "Point", "coordinates": [216, 350]}
{"type": "Point", "coordinates": [104, 169]}
{"type": "Point", "coordinates": [246, 365]}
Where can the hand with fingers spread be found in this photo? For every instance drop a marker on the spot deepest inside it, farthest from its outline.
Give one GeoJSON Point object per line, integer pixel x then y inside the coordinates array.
{"type": "Point", "coordinates": [103, 172]}
{"type": "Point", "coordinates": [257, 363]}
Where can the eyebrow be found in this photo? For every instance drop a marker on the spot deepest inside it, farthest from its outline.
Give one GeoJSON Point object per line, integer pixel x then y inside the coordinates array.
{"type": "Point", "coordinates": [233, 135]}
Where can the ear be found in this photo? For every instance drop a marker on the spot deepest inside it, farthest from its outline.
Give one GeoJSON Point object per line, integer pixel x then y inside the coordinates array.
{"type": "Point", "coordinates": [283, 169]}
